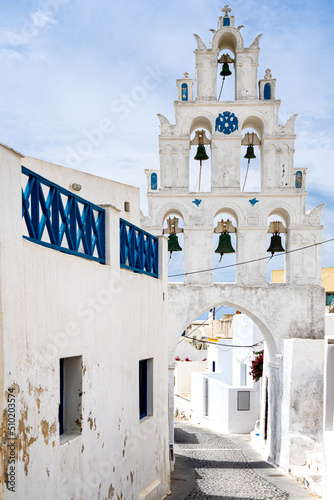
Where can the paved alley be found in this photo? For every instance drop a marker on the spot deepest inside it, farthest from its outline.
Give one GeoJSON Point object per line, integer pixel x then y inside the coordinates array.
{"type": "Point", "coordinates": [211, 466]}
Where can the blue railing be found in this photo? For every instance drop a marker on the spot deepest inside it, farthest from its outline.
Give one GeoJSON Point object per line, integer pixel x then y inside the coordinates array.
{"type": "Point", "coordinates": [139, 250]}
{"type": "Point", "coordinates": [57, 218]}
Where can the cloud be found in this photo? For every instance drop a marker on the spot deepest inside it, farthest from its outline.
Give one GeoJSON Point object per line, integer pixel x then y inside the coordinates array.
{"type": "Point", "coordinates": [69, 63]}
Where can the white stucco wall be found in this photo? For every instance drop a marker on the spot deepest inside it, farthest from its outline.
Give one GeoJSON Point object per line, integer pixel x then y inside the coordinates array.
{"type": "Point", "coordinates": [55, 305]}
{"type": "Point", "coordinates": [328, 444]}
{"type": "Point", "coordinates": [183, 373]}
{"type": "Point", "coordinates": [223, 414]}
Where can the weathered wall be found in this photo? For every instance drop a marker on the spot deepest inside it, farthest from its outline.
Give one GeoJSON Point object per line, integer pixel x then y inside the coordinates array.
{"type": "Point", "coordinates": [328, 443]}
{"type": "Point", "coordinates": [55, 305]}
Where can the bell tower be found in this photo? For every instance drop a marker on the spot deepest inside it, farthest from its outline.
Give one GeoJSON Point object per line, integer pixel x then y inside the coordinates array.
{"type": "Point", "coordinates": [287, 313]}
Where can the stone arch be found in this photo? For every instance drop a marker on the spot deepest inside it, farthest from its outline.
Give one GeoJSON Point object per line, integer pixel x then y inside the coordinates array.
{"type": "Point", "coordinates": [256, 120]}
{"type": "Point", "coordinates": [194, 121]}
{"type": "Point", "coordinates": [185, 311]}
{"type": "Point", "coordinates": [177, 208]}
{"type": "Point", "coordinates": [227, 38]}
{"type": "Point", "coordinates": [283, 210]}
{"type": "Point", "coordinates": [230, 209]}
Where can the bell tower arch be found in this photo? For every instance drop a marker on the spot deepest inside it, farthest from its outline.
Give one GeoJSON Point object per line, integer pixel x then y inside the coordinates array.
{"type": "Point", "coordinates": [290, 314]}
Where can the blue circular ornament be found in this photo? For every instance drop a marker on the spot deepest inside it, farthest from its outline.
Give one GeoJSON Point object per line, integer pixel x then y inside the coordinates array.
{"type": "Point", "coordinates": [226, 122]}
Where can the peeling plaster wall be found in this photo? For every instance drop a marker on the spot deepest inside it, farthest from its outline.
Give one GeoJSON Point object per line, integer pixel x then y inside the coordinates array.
{"type": "Point", "coordinates": [55, 305]}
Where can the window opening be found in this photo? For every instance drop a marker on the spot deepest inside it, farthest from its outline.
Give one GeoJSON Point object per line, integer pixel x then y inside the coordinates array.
{"type": "Point", "coordinates": [145, 388]}
{"type": "Point", "coordinates": [226, 76]}
{"type": "Point", "coordinates": [224, 240]}
{"type": "Point", "coordinates": [173, 228]}
{"type": "Point", "coordinates": [275, 239]}
{"type": "Point", "coordinates": [250, 161]}
{"type": "Point", "coordinates": [70, 381]}
{"type": "Point", "coordinates": [200, 162]}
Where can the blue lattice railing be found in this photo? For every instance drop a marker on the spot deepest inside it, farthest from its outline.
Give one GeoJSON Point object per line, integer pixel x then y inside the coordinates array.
{"type": "Point", "coordinates": [139, 250]}
{"type": "Point", "coordinates": [57, 218]}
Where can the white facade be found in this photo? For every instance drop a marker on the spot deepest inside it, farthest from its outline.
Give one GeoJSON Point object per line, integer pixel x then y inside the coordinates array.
{"type": "Point", "coordinates": [287, 314]}
{"type": "Point", "coordinates": [328, 447]}
{"type": "Point", "coordinates": [228, 399]}
{"type": "Point", "coordinates": [58, 306]}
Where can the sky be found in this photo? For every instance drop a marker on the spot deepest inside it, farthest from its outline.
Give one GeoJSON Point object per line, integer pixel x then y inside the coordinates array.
{"type": "Point", "coordinates": [82, 81]}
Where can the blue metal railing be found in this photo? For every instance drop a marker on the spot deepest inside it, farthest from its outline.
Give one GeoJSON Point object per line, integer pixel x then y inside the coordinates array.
{"type": "Point", "coordinates": [139, 250]}
{"type": "Point", "coordinates": [59, 219]}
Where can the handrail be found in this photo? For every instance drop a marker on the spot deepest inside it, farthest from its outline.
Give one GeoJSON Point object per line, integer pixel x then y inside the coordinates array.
{"type": "Point", "coordinates": [139, 250]}
{"type": "Point", "coordinates": [56, 218]}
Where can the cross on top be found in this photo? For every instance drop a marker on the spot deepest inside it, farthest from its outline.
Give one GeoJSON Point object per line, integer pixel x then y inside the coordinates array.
{"type": "Point", "coordinates": [226, 9]}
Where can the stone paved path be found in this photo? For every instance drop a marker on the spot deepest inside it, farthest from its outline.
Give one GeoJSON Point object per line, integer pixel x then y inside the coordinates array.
{"type": "Point", "coordinates": [222, 470]}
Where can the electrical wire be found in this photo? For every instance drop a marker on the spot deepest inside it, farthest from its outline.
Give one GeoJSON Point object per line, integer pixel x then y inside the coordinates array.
{"type": "Point", "coordinates": [201, 324]}
{"type": "Point", "coordinates": [253, 260]}
{"type": "Point", "coordinates": [222, 345]}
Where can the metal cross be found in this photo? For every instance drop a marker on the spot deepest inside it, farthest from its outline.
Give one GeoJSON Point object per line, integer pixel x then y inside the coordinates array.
{"type": "Point", "coordinates": [226, 9]}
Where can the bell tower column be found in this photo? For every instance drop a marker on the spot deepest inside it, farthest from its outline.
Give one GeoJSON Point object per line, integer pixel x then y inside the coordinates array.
{"type": "Point", "coordinates": [206, 74]}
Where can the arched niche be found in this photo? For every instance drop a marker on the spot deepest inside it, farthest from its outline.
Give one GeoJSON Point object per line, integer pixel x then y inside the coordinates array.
{"type": "Point", "coordinates": [154, 181]}
{"type": "Point", "coordinates": [253, 121]}
{"type": "Point", "coordinates": [226, 87]}
{"type": "Point", "coordinates": [227, 38]}
{"type": "Point", "coordinates": [267, 91]}
{"type": "Point", "coordinates": [251, 171]}
{"type": "Point", "coordinates": [200, 177]}
{"type": "Point", "coordinates": [200, 122]}
{"type": "Point", "coordinates": [279, 261]}
{"type": "Point", "coordinates": [176, 258]}
{"type": "Point", "coordinates": [221, 273]}
{"type": "Point", "coordinates": [184, 92]}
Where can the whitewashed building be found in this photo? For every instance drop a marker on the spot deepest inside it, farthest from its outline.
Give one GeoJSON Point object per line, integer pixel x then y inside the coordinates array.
{"type": "Point", "coordinates": [83, 344]}
{"type": "Point", "coordinates": [290, 315]}
{"type": "Point", "coordinates": [226, 398]}
{"type": "Point", "coordinates": [328, 447]}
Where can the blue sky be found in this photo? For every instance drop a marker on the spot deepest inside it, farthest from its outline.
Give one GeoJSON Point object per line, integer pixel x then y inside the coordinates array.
{"type": "Point", "coordinates": [70, 67]}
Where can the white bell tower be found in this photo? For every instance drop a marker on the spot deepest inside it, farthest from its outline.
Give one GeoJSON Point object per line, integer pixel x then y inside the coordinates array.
{"type": "Point", "coordinates": [287, 313]}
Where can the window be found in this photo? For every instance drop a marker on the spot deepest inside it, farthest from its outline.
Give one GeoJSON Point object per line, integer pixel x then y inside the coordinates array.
{"type": "Point", "coordinates": [243, 401]}
{"type": "Point", "coordinates": [145, 388]}
{"type": "Point", "coordinates": [267, 92]}
{"type": "Point", "coordinates": [70, 382]}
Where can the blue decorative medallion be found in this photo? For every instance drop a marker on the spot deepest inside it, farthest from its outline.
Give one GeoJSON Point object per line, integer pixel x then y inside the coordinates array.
{"type": "Point", "coordinates": [197, 202]}
{"type": "Point", "coordinates": [226, 122]}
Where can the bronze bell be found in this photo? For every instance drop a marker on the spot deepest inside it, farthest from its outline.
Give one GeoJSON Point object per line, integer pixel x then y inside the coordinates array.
{"type": "Point", "coordinates": [250, 153]}
{"type": "Point", "coordinates": [226, 70]}
{"type": "Point", "coordinates": [224, 245]}
{"type": "Point", "coordinates": [201, 153]}
{"type": "Point", "coordinates": [173, 244]}
{"type": "Point", "coordinates": [275, 244]}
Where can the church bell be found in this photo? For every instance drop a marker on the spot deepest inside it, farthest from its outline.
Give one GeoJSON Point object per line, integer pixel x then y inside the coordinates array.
{"type": "Point", "coordinates": [275, 244]}
{"type": "Point", "coordinates": [224, 245]}
{"type": "Point", "coordinates": [173, 244]}
{"type": "Point", "coordinates": [250, 152]}
{"type": "Point", "coordinates": [201, 153]}
{"type": "Point", "coordinates": [225, 70]}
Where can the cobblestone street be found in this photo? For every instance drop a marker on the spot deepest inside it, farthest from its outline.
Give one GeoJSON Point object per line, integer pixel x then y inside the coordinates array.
{"type": "Point", "coordinates": [223, 471]}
